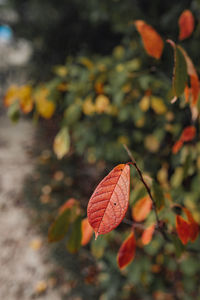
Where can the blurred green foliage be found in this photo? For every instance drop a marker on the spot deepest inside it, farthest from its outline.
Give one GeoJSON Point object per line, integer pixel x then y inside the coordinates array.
{"type": "Point", "coordinates": [109, 93]}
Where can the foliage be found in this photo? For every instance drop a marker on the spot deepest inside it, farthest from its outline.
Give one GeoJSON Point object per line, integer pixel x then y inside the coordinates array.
{"type": "Point", "coordinates": [127, 97]}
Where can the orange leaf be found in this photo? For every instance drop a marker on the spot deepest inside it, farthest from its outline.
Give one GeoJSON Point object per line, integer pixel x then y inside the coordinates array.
{"type": "Point", "coordinates": [188, 134]}
{"type": "Point", "coordinates": [177, 146]}
{"type": "Point", "coordinates": [186, 24]}
{"type": "Point", "coordinates": [183, 229]}
{"type": "Point", "coordinates": [152, 41]}
{"type": "Point", "coordinates": [141, 209]}
{"type": "Point", "coordinates": [194, 226]}
{"type": "Point", "coordinates": [127, 251]}
{"type": "Point", "coordinates": [109, 202]}
{"type": "Point", "coordinates": [87, 232]}
{"type": "Point", "coordinates": [187, 93]}
{"type": "Point", "coordinates": [194, 82]}
{"type": "Point", "coordinates": [148, 234]}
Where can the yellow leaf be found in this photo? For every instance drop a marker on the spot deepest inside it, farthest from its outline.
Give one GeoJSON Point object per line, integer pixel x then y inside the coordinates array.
{"type": "Point", "coordinates": [25, 98]}
{"type": "Point", "coordinates": [158, 105]}
{"type": "Point", "coordinates": [88, 106]}
{"type": "Point", "coordinates": [45, 107]}
{"type": "Point", "coordinates": [41, 287]}
{"type": "Point", "coordinates": [61, 71]}
{"type": "Point", "coordinates": [12, 95]}
{"type": "Point", "coordinates": [61, 144]}
{"type": "Point", "coordinates": [151, 143]}
{"type": "Point", "coordinates": [101, 104]}
{"type": "Point", "coordinates": [144, 103]}
{"type": "Point", "coordinates": [36, 244]}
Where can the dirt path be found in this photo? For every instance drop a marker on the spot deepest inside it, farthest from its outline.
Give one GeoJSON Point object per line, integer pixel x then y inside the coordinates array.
{"type": "Point", "coordinates": [25, 269]}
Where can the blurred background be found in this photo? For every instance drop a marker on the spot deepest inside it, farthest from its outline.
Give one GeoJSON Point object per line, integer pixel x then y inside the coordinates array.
{"type": "Point", "coordinates": [87, 59]}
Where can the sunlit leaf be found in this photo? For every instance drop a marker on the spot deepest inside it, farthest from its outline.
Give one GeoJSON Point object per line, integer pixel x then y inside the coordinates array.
{"type": "Point", "coordinates": [152, 41]}
{"type": "Point", "coordinates": [158, 105]}
{"type": "Point", "coordinates": [12, 95]}
{"type": "Point", "coordinates": [141, 209]}
{"type": "Point", "coordinates": [87, 232]}
{"type": "Point", "coordinates": [74, 241]}
{"type": "Point", "coordinates": [186, 24]}
{"type": "Point", "coordinates": [127, 251]}
{"type": "Point", "coordinates": [109, 202]}
{"type": "Point", "coordinates": [61, 143]}
{"type": "Point", "coordinates": [147, 234]}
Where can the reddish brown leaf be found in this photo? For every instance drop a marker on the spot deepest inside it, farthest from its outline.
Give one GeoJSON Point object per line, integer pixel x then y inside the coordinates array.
{"type": "Point", "coordinates": [141, 209]}
{"type": "Point", "coordinates": [188, 134]}
{"type": "Point", "coordinates": [147, 234]}
{"type": "Point", "coordinates": [186, 24]}
{"type": "Point", "coordinates": [177, 146]}
{"type": "Point", "coordinates": [127, 251]}
{"type": "Point", "coordinates": [109, 202]}
{"type": "Point", "coordinates": [194, 82]}
{"type": "Point", "coordinates": [152, 41]}
{"type": "Point", "coordinates": [183, 229]}
{"type": "Point", "coordinates": [87, 232]}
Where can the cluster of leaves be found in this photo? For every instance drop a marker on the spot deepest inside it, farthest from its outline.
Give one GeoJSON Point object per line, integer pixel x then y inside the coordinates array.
{"type": "Point", "coordinates": [105, 102]}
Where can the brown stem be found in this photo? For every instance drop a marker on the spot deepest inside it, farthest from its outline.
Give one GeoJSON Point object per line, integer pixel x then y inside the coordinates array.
{"type": "Point", "coordinates": [145, 184]}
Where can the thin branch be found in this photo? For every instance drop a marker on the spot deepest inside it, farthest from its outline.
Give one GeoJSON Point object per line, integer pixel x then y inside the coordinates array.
{"type": "Point", "coordinates": [144, 182]}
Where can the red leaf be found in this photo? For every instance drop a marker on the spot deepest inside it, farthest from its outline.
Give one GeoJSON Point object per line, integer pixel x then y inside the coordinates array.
{"type": "Point", "coordinates": [127, 251]}
{"type": "Point", "coordinates": [141, 209]}
{"type": "Point", "coordinates": [68, 204]}
{"type": "Point", "coordinates": [194, 226]}
{"type": "Point", "coordinates": [183, 229]}
{"type": "Point", "coordinates": [186, 24]}
{"type": "Point", "coordinates": [188, 134]}
{"type": "Point", "coordinates": [177, 146]}
{"type": "Point", "coordinates": [152, 41]}
{"type": "Point", "coordinates": [148, 234]}
{"type": "Point", "coordinates": [87, 232]}
{"type": "Point", "coordinates": [109, 202]}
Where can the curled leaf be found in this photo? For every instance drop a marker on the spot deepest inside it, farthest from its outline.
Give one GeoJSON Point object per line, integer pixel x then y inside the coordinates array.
{"type": "Point", "coordinates": [186, 24]}
{"type": "Point", "coordinates": [152, 41]}
{"type": "Point", "coordinates": [127, 251]}
{"type": "Point", "coordinates": [141, 209]}
{"type": "Point", "coordinates": [109, 202]}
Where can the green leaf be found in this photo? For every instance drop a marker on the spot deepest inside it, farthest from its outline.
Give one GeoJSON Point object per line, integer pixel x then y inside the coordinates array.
{"type": "Point", "coordinates": [179, 248]}
{"type": "Point", "coordinates": [74, 241]}
{"type": "Point", "coordinates": [59, 228]}
{"type": "Point", "coordinates": [180, 72]}
{"type": "Point", "coordinates": [98, 247]}
{"type": "Point", "coordinates": [158, 195]}
{"type": "Point", "coordinates": [14, 112]}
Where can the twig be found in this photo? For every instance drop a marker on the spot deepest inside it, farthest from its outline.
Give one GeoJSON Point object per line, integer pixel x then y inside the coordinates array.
{"type": "Point", "coordinates": [145, 184]}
